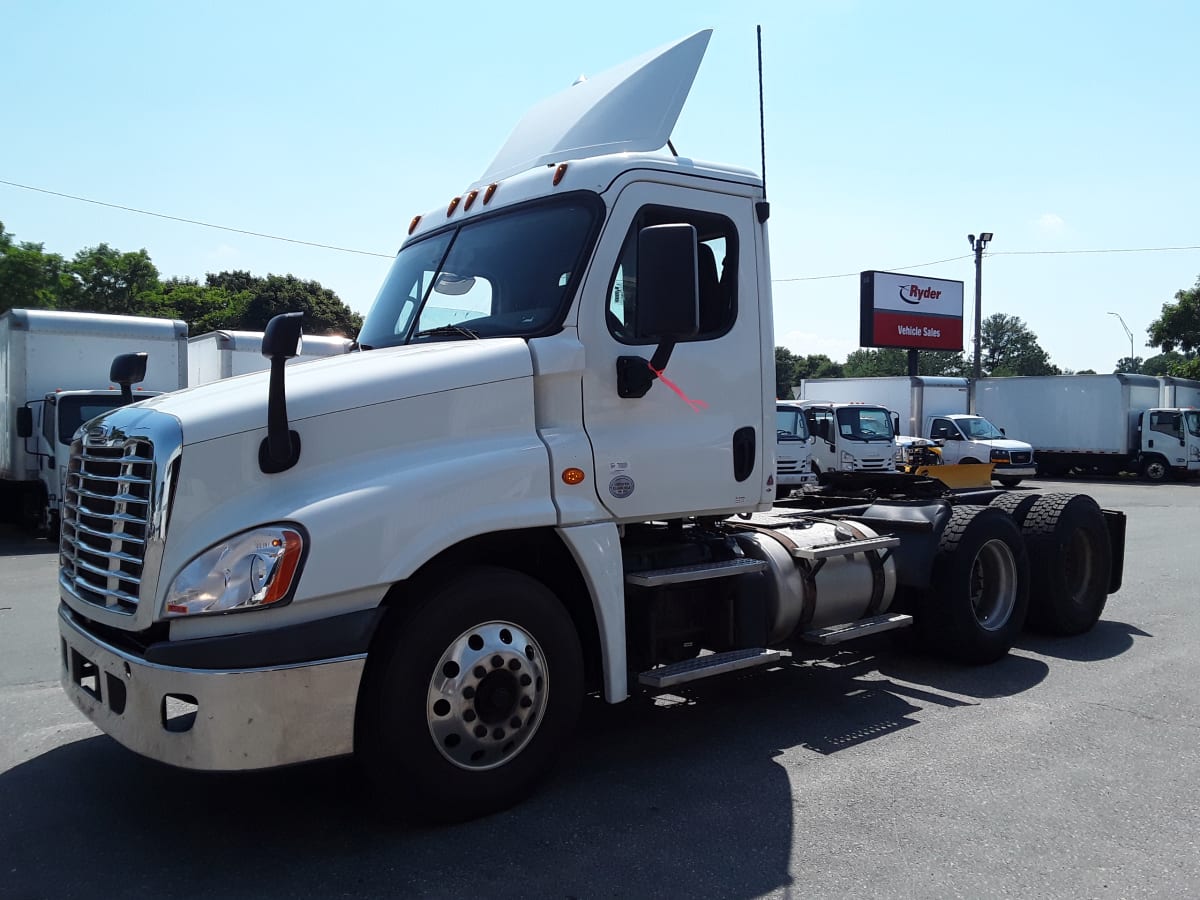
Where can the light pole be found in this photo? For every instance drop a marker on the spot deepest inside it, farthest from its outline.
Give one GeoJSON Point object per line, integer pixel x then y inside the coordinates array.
{"type": "Point", "coordinates": [978, 244]}
{"type": "Point", "coordinates": [1132, 358]}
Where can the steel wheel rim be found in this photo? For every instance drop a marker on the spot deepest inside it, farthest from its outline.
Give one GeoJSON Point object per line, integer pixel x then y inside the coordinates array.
{"type": "Point", "coordinates": [487, 695]}
{"type": "Point", "coordinates": [993, 585]}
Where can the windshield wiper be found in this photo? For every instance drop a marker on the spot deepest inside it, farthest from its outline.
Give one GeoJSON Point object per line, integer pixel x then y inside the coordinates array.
{"type": "Point", "coordinates": [447, 329]}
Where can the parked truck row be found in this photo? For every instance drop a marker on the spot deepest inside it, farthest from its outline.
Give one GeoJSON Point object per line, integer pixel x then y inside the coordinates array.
{"type": "Point", "coordinates": [550, 472]}
{"type": "Point", "coordinates": [56, 374]}
{"type": "Point", "coordinates": [1022, 426]}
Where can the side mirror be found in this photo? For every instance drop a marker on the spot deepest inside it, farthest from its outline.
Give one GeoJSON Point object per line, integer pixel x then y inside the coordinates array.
{"type": "Point", "coordinates": [126, 370]}
{"type": "Point", "coordinates": [280, 449]}
{"type": "Point", "coordinates": [24, 422]}
{"type": "Point", "coordinates": [1003, 432]}
{"type": "Point", "coordinates": [668, 307]}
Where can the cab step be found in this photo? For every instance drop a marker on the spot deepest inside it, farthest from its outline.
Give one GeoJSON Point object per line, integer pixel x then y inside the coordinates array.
{"type": "Point", "coordinates": [705, 666]}
{"type": "Point", "coordinates": [698, 572]}
{"type": "Point", "coordinates": [836, 634]}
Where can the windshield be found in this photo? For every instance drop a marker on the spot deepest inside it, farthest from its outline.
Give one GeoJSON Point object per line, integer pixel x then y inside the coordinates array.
{"type": "Point", "coordinates": [977, 429]}
{"type": "Point", "coordinates": [865, 423]}
{"type": "Point", "coordinates": [790, 424]}
{"type": "Point", "coordinates": [74, 411]}
{"type": "Point", "coordinates": [1192, 417]}
{"type": "Point", "coordinates": [511, 275]}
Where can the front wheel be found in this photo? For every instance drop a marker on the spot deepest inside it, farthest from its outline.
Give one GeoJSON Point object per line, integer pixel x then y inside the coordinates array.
{"type": "Point", "coordinates": [467, 697]}
{"type": "Point", "coordinates": [1155, 469]}
{"type": "Point", "coordinates": [980, 589]}
{"type": "Point", "coordinates": [1008, 481]}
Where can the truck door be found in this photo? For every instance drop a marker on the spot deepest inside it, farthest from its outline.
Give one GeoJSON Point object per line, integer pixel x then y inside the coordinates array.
{"type": "Point", "coordinates": [699, 440]}
{"type": "Point", "coordinates": [824, 430]}
{"type": "Point", "coordinates": [945, 430]}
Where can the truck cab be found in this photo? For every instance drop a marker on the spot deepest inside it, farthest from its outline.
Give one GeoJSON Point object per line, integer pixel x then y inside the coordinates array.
{"type": "Point", "coordinates": [54, 422]}
{"type": "Point", "coordinates": [1169, 441]}
{"type": "Point", "coordinates": [973, 439]}
{"type": "Point", "coordinates": [793, 449]}
{"type": "Point", "coordinates": [850, 437]}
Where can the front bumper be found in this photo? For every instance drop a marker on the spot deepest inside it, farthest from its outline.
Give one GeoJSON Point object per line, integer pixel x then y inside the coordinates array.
{"type": "Point", "coordinates": [212, 719]}
{"type": "Point", "coordinates": [1001, 470]}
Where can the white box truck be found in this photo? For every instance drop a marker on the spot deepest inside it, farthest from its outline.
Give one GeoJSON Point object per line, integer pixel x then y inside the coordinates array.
{"type": "Point", "coordinates": [224, 354]}
{"type": "Point", "coordinates": [1178, 393]}
{"type": "Point", "coordinates": [55, 367]}
{"type": "Point", "coordinates": [793, 449]}
{"type": "Point", "coordinates": [1096, 424]}
{"type": "Point", "coordinates": [936, 408]}
{"type": "Point", "coordinates": [548, 474]}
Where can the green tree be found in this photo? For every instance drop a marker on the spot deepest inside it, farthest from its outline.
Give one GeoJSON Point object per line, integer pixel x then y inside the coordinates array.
{"type": "Point", "coordinates": [1179, 324]}
{"type": "Point", "coordinates": [1163, 363]}
{"type": "Point", "coordinates": [203, 308]}
{"type": "Point", "coordinates": [864, 363]}
{"type": "Point", "coordinates": [785, 373]}
{"type": "Point", "coordinates": [1131, 364]}
{"type": "Point", "coordinates": [267, 297]}
{"type": "Point", "coordinates": [1009, 347]}
{"type": "Point", "coordinates": [104, 280]}
{"type": "Point", "coordinates": [791, 369]}
{"type": "Point", "coordinates": [30, 278]}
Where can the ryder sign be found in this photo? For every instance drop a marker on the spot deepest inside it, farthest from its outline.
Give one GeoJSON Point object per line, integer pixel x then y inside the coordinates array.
{"type": "Point", "coordinates": [910, 312]}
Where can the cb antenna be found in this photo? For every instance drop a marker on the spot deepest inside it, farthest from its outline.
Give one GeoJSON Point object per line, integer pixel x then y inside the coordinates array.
{"type": "Point", "coordinates": [763, 208]}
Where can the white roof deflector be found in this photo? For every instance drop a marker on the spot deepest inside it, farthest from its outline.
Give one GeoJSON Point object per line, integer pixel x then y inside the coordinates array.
{"type": "Point", "coordinates": [629, 108]}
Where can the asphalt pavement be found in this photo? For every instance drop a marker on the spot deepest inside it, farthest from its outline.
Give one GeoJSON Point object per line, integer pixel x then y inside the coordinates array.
{"type": "Point", "coordinates": [1069, 769]}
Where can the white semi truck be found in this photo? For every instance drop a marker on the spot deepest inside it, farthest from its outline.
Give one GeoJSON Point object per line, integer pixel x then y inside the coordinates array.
{"type": "Point", "coordinates": [1101, 424]}
{"type": "Point", "coordinates": [227, 353]}
{"type": "Point", "coordinates": [548, 472]}
{"type": "Point", "coordinates": [55, 369]}
{"type": "Point", "coordinates": [936, 408]}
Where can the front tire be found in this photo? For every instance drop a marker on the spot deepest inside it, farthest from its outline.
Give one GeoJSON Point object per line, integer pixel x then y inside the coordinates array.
{"type": "Point", "coordinates": [468, 696]}
{"type": "Point", "coordinates": [1155, 469]}
{"type": "Point", "coordinates": [980, 590]}
{"type": "Point", "coordinates": [1008, 481]}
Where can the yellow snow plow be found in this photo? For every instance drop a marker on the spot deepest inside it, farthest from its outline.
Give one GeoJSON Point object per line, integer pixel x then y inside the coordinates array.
{"type": "Point", "coordinates": [923, 457]}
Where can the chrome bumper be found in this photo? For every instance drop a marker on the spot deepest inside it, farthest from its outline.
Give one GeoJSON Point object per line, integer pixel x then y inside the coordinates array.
{"type": "Point", "coordinates": [1008, 471]}
{"type": "Point", "coordinates": [213, 720]}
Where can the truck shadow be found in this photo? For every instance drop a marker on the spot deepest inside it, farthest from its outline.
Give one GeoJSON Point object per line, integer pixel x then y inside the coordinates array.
{"type": "Point", "coordinates": [1106, 640]}
{"type": "Point", "coordinates": [688, 793]}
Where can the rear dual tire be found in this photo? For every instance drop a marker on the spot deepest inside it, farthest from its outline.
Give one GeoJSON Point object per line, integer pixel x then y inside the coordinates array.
{"type": "Point", "coordinates": [980, 588]}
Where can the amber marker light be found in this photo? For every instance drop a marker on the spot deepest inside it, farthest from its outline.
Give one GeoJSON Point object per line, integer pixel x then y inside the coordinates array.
{"type": "Point", "coordinates": [453, 207]}
{"type": "Point", "coordinates": [470, 200]}
{"type": "Point", "coordinates": [487, 195]}
{"type": "Point", "coordinates": [559, 173]}
{"type": "Point", "coordinates": [573, 476]}
{"type": "Point", "coordinates": [412, 226]}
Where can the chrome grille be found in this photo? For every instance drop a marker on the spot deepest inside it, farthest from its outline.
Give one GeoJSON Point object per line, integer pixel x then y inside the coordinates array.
{"type": "Point", "coordinates": [106, 518]}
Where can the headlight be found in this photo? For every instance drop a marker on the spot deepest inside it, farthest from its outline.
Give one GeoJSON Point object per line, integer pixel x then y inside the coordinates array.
{"type": "Point", "coordinates": [847, 460]}
{"type": "Point", "coordinates": [249, 570]}
{"type": "Point", "coordinates": [999, 456]}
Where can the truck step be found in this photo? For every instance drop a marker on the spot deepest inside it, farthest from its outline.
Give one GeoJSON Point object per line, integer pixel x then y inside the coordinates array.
{"type": "Point", "coordinates": [836, 634]}
{"type": "Point", "coordinates": [704, 666]}
{"type": "Point", "coordinates": [846, 548]}
{"type": "Point", "coordinates": [698, 572]}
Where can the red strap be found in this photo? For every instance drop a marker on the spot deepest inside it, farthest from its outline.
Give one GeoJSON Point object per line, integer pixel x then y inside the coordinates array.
{"type": "Point", "coordinates": [696, 405]}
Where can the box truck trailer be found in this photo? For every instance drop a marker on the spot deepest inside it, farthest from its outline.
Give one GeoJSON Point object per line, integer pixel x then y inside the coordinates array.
{"type": "Point", "coordinates": [224, 354]}
{"type": "Point", "coordinates": [1097, 424]}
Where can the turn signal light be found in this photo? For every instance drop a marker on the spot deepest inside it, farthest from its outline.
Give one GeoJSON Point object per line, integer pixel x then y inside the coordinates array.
{"type": "Point", "coordinates": [573, 476]}
{"type": "Point", "coordinates": [412, 226]}
{"type": "Point", "coordinates": [559, 173]}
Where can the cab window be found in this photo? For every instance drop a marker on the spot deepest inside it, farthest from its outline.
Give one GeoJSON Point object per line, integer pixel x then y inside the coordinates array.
{"type": "Point", "coordinates": [716, 260]}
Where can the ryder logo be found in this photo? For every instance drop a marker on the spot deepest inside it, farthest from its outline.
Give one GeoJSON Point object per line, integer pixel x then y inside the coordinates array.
{"type": "Point", "coordinates": [914, 294]}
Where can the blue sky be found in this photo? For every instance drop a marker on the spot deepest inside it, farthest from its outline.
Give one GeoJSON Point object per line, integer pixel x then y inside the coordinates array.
{"type": "Point", "coordinates": [893, 131]}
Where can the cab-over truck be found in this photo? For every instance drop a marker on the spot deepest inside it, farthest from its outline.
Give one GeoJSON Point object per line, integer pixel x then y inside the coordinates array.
{"type": "Point", "coordinates": [548, 472]}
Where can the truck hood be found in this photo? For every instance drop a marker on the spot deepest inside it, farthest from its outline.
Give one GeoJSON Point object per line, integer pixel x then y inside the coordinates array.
{"type": "Point", "coordinates": [336, 383]}
{"type": "Point", "coordinates": [1007, 444]}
